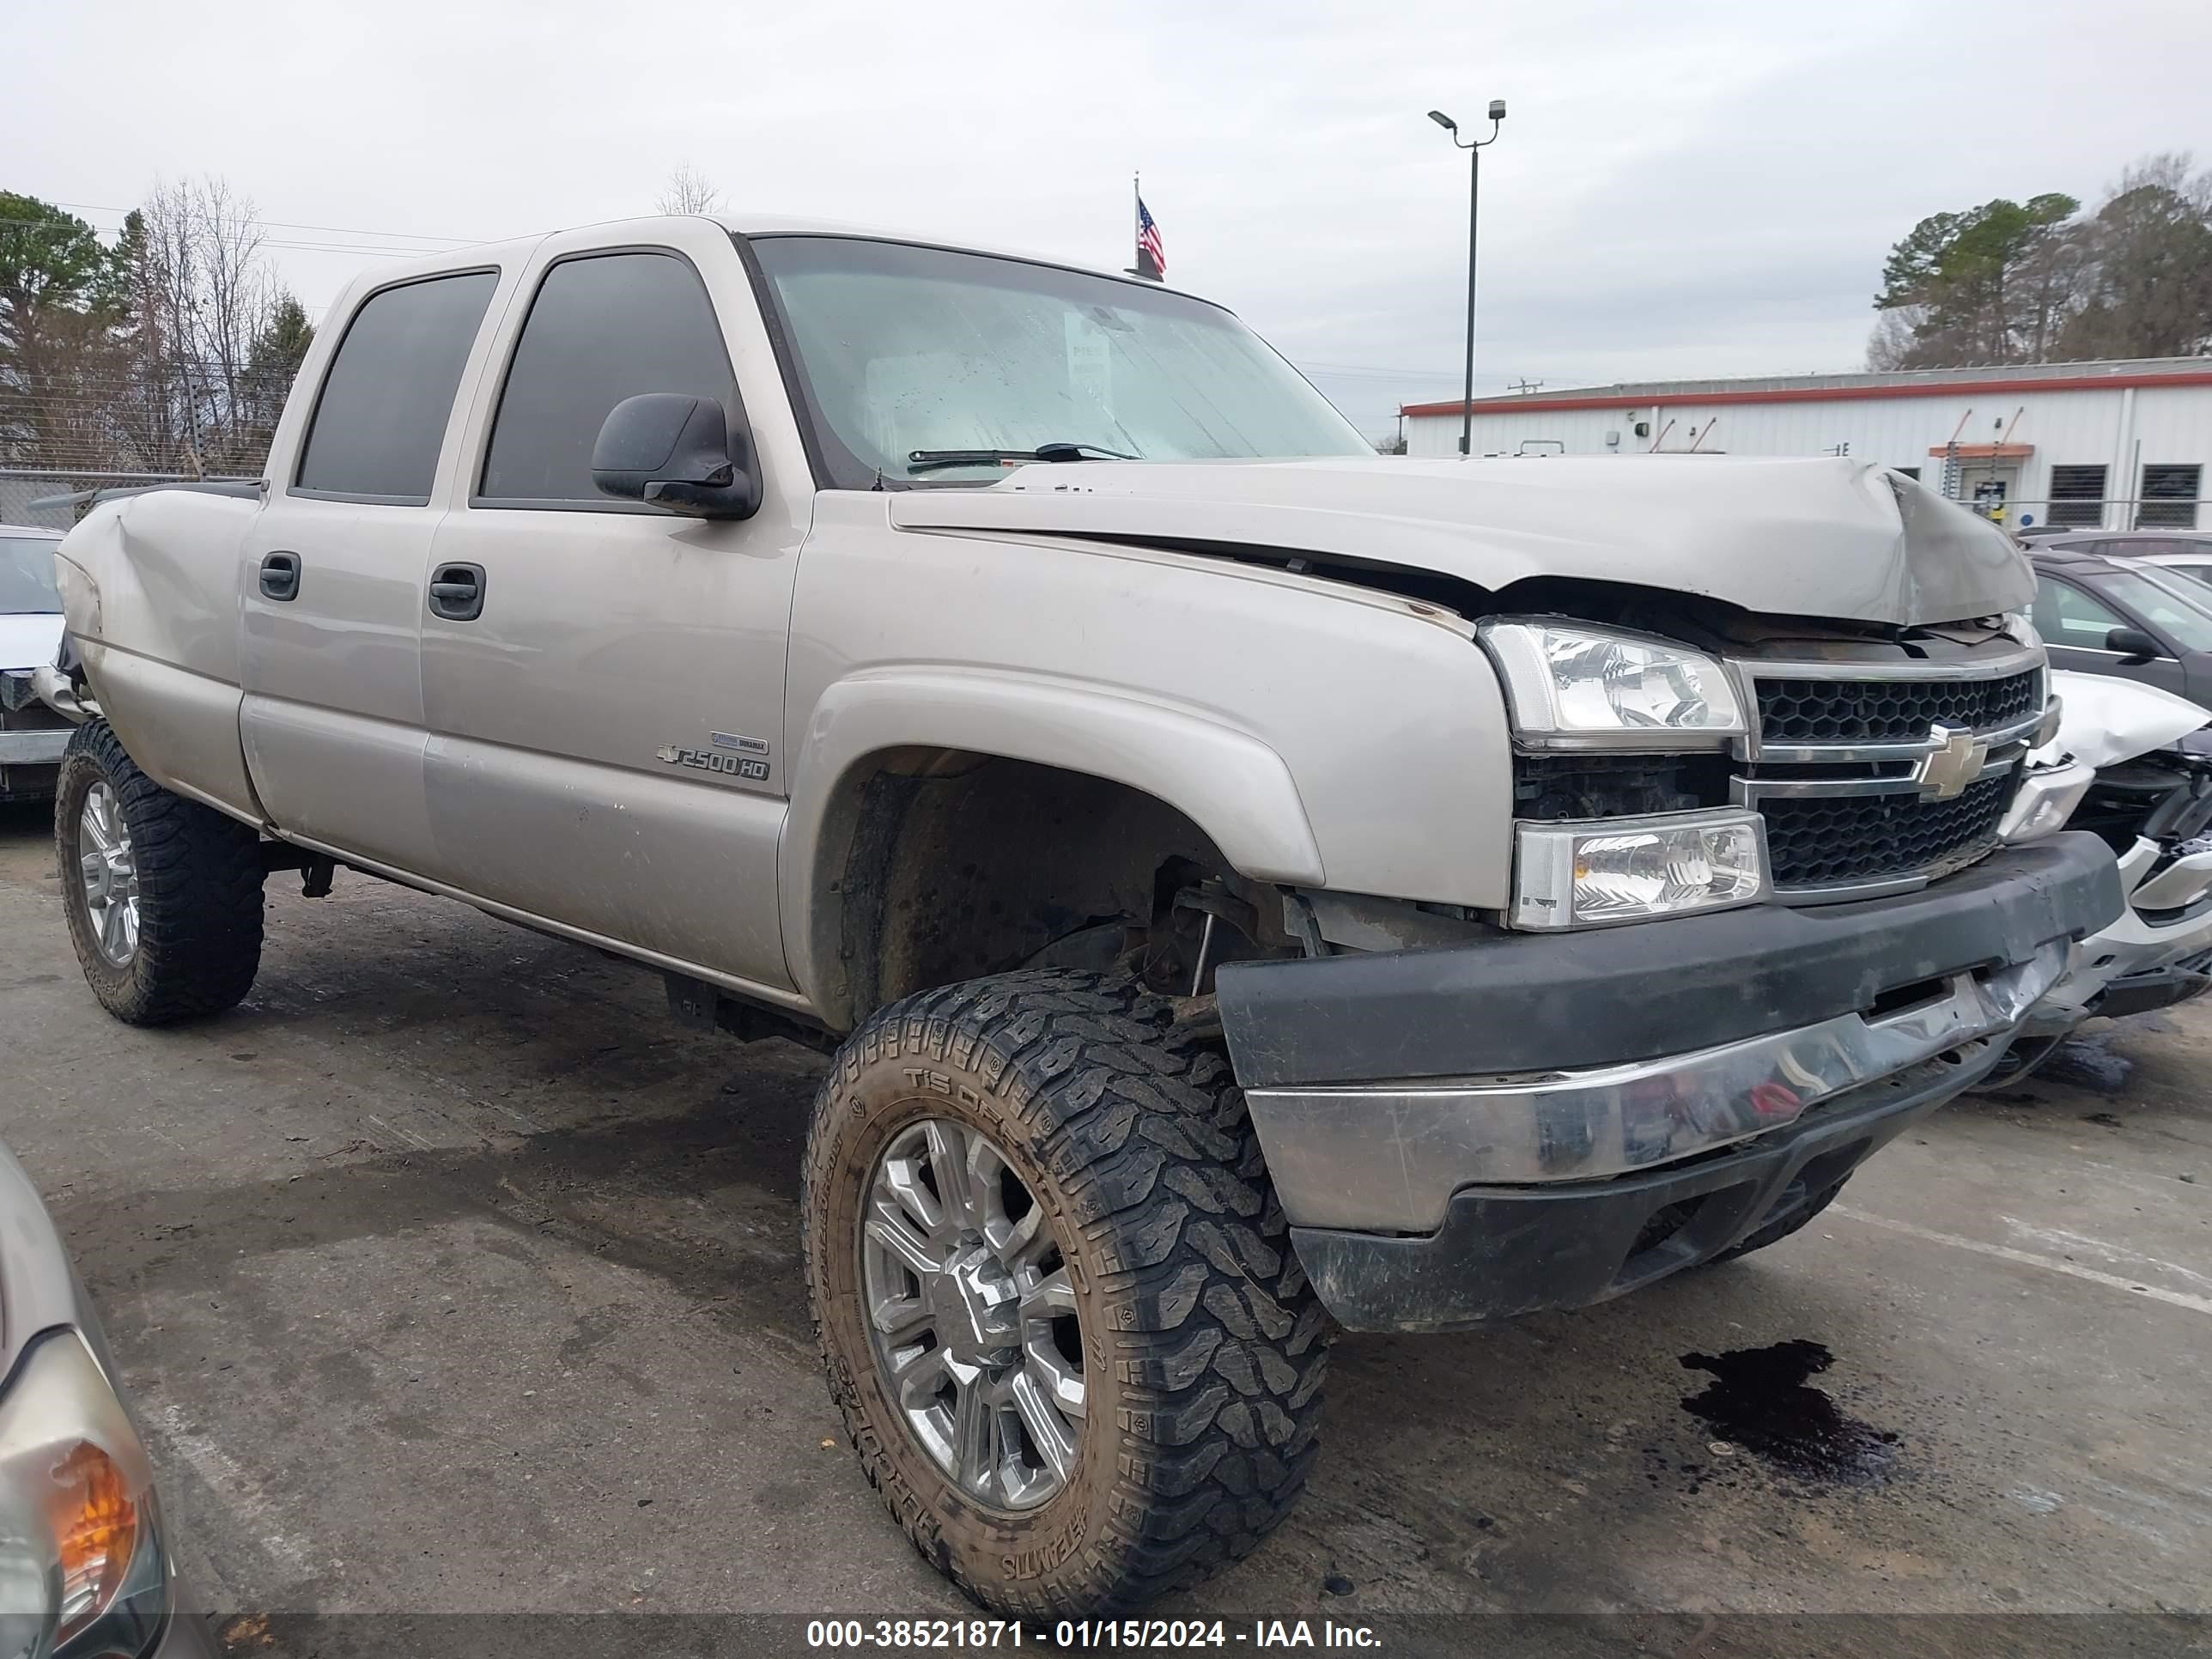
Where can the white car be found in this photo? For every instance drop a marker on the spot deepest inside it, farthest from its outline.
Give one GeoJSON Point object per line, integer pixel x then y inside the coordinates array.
{"type": "Point", "coordinates": [31, 737]}
{"type": "Point", "coordinates": [2130, 763]}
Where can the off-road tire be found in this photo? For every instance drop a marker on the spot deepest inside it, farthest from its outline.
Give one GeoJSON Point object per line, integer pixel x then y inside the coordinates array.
{"type": "Point", "coordinates": [1204, 1346]}
{"type": "Point", "coordinates": [1775, 1231]}
{"type": "Point", "coordinates": [199, 891]}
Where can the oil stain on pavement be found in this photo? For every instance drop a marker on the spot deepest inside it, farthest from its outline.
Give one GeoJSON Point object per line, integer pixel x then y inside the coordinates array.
{"type": "Point", "coordinates": [1759, 1399]}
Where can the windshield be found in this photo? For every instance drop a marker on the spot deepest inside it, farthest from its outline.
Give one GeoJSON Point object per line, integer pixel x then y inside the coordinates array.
{"type": "Point", "coordinates": [913, 360]}
{"type": "Point", "coordinates": [27, 574]}
{"type": "Point", "coordinates": [2168, 601]}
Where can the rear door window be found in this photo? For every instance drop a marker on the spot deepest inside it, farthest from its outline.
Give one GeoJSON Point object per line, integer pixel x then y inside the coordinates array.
{"type": "Point", "coordinates": [380, 418]}
{"type": "Point", "coordinates": [604, 328]}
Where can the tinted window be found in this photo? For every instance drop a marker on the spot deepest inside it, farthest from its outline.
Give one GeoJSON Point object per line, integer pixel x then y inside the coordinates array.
{"type": "Point", "coordinates": [602, 329]}
{"type": "Point", "coordinates": [2066, 616]}
{"type": "Point", "coordinates": [390, 390]}
{"type": "Point", "coordinates": [2168, 602]}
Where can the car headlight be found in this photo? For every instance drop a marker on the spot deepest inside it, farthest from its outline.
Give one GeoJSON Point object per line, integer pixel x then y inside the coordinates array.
{"type": "Point", "coordinates": [81, 1565]}
{"type": "Point", "coordinates": [1597, 871]}
{"type": "Point", "coordinates": [1571, 686]}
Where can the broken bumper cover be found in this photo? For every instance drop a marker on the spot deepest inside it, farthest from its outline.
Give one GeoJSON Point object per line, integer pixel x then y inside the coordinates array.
{"type": "Point", "coordinates": [1532, 1109]}
{"type": "Point", "coordinates": [2152, 958]}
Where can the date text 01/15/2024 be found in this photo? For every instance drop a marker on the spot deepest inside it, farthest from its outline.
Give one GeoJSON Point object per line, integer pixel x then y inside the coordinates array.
{"type": "Point", "coordinates": [1159, 1634]}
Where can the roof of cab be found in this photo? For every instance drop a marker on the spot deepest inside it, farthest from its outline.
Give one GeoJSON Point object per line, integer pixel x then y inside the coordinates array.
{"type": "Point", "coordinates": [630, 231]}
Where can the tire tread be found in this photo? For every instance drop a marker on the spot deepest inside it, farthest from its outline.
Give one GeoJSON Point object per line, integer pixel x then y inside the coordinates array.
{"type": "Point", "coordinates": [199, 894]}
{"type": "Point", "coordinates": [1147, 1136]}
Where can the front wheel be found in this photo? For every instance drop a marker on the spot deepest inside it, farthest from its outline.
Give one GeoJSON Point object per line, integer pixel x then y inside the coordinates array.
{"type": "Point", "coordinates": [163, 895]}
{"type": "Point", "coordinates": [1054, 1294]}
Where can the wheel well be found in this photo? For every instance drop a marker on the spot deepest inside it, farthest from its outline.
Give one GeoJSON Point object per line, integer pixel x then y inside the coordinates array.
{"type": "Point", "coordinates": [941, 865]}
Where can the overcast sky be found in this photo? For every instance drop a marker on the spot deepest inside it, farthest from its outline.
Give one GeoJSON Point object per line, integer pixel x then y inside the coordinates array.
{"type": "Point", "coordinates": [1681, 188]}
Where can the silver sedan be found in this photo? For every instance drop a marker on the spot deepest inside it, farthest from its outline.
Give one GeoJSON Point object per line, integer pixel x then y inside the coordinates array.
{"type": "Point", "coordinates": [85, 1571]}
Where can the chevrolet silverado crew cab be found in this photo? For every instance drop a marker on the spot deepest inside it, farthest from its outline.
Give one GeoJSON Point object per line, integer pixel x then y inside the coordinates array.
{"type": "Point", "coordinates": [1248, 886]}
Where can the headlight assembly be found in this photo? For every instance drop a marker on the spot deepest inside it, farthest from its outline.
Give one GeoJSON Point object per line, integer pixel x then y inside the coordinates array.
{"type": "Point", "coordinates": [81, 1567]}
{"type": "Point", "coordinates": [1572, 686]}
{"type": "Point", "coordinates": [1585, 874]}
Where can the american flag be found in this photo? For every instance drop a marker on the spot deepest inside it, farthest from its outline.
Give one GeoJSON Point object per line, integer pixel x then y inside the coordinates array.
{"type": "Point", "coordinates": [1150, 259]}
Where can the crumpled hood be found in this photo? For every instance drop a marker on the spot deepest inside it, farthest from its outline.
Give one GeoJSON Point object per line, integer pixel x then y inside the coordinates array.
{"type": "Point", "coordinates": [1821, 536]}
{"type": "Point", "coordinates": [29, 640]}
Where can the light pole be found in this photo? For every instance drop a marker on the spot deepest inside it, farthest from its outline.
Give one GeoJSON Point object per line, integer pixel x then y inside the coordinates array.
{"type": "Point", "coordinates": [1474, 147]}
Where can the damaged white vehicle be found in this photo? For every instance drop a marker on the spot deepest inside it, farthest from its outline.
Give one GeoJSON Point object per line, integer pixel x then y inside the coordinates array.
{"type": "Point", "coordinates": [31, 736]}
{"type": "Point", "coordinates": [2131, 763]}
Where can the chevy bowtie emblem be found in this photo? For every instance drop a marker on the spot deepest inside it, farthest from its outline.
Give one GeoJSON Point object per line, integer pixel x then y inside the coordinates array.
{"type": "Point", "coordinates": [1956, 762]}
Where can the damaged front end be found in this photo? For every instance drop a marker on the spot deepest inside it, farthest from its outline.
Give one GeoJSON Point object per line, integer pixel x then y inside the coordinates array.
{"type": "Point", "coordinates": [2134, 764]}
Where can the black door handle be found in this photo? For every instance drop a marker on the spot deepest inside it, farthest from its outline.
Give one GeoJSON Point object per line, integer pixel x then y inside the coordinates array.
{"type": "Point", "coordinates": [456, 591]}
{"type": "Point", "coordinates": [280, 576]}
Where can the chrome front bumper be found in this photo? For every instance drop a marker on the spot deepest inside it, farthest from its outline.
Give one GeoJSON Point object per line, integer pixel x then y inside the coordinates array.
{"type": "Point", "coordinates": [1387, 1157]}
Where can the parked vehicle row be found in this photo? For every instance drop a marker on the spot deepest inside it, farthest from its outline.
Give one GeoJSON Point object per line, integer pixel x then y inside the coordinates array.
{"type": "Point", "coordinates": [2128, 617]}
{"type": "Point", "coordinates": [2186, 550]}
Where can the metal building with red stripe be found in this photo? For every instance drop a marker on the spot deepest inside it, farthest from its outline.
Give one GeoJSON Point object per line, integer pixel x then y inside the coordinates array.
{"type": "Point", "coordinates": [2108, 445]}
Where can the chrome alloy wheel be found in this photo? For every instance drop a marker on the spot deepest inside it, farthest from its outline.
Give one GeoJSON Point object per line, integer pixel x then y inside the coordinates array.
{"type": "Point", "coordinates": [972, 1316]}
{"type": "Point", "coordinates": [109, 870]}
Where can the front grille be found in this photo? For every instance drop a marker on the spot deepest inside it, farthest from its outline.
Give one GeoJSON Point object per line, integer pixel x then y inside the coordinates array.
{"type": "Point", "coordinates": [1889, 711]}
{"type": "Point", "coordinates": [1819, 840]}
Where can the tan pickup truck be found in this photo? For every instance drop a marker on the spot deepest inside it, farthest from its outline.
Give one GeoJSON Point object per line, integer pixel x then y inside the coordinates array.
{"type": "Point", "coordinates": [1246, 885]}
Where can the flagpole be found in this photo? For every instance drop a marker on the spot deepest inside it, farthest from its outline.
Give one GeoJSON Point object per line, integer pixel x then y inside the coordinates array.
{"type": "Point", "coordinates": [1136, 267]}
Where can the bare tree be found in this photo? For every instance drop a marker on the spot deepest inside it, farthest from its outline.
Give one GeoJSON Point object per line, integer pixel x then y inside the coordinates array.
{"type": "Point", "coordinates": [688, 190]}
{"type": "Point", "coordinates": [201, 303]}
{"type": "Point", "coordinates": [2148, 266]}
{"type": "Point", "coordinates": [1895, 338]}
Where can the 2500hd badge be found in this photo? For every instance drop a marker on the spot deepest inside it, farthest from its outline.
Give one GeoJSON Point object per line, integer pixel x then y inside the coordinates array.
{"type": "Point", "coordinates": [707, 760]}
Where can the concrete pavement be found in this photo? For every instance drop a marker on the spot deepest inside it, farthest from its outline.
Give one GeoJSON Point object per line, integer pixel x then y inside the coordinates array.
{"type": "Point", "coordinates": [449, 1275]}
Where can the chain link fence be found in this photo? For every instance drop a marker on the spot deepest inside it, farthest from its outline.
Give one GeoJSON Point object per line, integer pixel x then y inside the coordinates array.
{"type": "Point", "coordinates": [56, 497]}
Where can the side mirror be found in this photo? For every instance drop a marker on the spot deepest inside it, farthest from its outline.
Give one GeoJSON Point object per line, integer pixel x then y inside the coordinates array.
{"type": "Point", "coordinates": [678, 451]}
{"type": "Point", "coordinates": [2136, 647]}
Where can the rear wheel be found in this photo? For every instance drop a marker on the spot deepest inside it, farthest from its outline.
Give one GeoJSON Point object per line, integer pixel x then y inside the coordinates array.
{"type": "Point", "coordinates": [1054, 1295]}
{"type": "Point", "coordinates": [163, 895]}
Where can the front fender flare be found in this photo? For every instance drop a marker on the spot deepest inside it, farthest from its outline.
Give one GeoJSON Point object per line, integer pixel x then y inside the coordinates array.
{"type": "Point", "coordinates": [1229, 783]}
